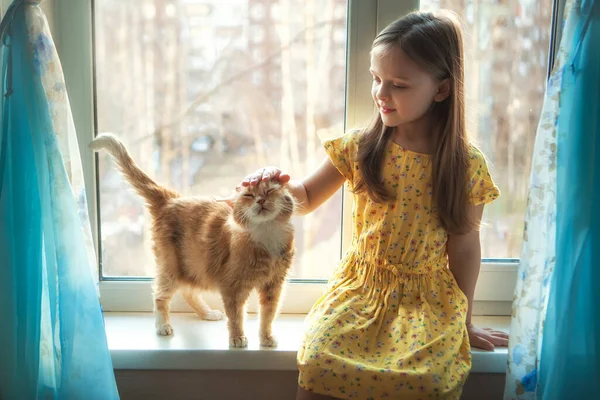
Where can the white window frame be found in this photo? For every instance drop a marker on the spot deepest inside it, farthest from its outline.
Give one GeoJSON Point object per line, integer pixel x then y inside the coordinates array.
{"type": "Point", "coordinates": [71, 22]}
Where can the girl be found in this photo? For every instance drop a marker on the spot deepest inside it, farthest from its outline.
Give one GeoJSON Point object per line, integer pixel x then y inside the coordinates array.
{"type": "Point", "coordinates": [395, 321]}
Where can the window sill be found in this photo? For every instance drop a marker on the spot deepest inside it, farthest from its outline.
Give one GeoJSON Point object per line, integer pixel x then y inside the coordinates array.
{"type": "Point", "coordinates": [203, 345]}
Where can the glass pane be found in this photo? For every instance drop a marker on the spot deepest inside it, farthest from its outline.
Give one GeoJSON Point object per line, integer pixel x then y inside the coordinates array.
{"type": "Point", "coordinates": [204, 92]}
{"type": "Point", "coordinates": [506, 51]}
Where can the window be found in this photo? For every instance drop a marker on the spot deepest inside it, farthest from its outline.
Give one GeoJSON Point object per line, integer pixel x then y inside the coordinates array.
{"type": "Point", "coordinates": [205, 146]}
{"type": "Point", "coordinates": [246, 122]}
{"type": "Point", "coordinates": [506, 52]}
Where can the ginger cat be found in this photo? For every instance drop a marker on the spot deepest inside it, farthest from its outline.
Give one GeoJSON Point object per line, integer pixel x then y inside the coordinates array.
{"type": "Point", "coordinates": [201, 244]}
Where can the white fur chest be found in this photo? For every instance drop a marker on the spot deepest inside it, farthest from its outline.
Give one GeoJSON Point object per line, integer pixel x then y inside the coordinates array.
{"type": "Point", "coordinates": [273, 238]}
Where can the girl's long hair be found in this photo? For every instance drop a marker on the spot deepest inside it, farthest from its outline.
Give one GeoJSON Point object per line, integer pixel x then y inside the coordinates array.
{"type": "Point", "coordinates": [433, 41]}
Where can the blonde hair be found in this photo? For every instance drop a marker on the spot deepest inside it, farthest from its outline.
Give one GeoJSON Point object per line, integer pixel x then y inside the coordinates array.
{"type": "Point", "coordinates": [434, 42]}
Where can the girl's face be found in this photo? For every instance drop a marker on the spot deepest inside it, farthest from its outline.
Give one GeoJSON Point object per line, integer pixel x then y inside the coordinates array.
{"type": "Point", "coordinates": [402, 90]}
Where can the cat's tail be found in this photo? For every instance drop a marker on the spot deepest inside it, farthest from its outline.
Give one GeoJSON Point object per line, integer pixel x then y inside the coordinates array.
{"type": "Point", "coordinates": [155, 195]}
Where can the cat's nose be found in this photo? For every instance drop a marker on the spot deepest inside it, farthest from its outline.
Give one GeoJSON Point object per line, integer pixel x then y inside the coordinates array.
{"type": "Point", "coordinates": [261, 201]}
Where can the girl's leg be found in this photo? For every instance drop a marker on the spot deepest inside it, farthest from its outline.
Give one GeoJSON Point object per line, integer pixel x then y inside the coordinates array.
{"type": "Point", "coordinates": [302, 394]}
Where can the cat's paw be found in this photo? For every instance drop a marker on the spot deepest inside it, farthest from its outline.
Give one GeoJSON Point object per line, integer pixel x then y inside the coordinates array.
{"type": "Point", "coordinates": [212, 315]}
{"type": "Point", "coordinates": [268, 341]}
{"type": "Point", "coordinates": [164, 330]}
{"type": "Point", "coordinates": [238, 341]}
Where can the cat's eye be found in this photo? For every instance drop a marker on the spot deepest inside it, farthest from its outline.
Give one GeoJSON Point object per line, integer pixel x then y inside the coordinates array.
{"type": "Point", "coordinates": [249, 195]}
{"type": "Point", "coordinates": [270, 191]}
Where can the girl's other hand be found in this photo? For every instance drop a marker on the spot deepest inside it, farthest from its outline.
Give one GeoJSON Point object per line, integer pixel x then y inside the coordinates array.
{"type": "Point", "coordinates": [486, 338]}
{"type": "Point", "coordinates": [266, 174]}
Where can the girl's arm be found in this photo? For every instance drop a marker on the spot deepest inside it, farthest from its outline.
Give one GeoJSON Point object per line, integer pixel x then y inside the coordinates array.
{"type": "Point", "coordinates": [464, 257]}
{"type": "Point", "coordinates": [311, 192]}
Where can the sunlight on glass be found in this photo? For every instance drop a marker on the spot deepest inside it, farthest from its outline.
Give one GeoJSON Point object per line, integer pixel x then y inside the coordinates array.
{"type": "Point", "coordinates": [205, 92]}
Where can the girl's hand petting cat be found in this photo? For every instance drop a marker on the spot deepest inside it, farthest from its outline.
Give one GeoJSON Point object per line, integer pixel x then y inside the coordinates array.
{"type": "Point", "coordinates": [266, 174]}
{"type": "Point", "coordinates": [486, 338]}
{"type": "Point", "coordinates": [260, 175]}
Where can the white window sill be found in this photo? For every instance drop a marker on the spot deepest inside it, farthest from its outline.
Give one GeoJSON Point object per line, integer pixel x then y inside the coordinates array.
{"type": "Point", "coordinates": [202, 345]}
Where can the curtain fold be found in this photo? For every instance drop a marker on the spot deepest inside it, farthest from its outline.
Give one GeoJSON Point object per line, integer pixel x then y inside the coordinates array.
{"type": "Point", "coordinates": [52, 330]}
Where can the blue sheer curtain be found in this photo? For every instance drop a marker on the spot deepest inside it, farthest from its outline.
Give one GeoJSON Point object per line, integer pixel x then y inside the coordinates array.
{"type": "Point", "coordinates": [570, 359]}
{"type": "Point", "coordinates": [52, 339]}
{"type": "Point", "coordinates": [555, 332]}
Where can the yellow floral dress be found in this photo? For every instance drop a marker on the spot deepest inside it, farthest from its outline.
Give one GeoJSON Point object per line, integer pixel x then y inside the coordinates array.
{"type": "Point", "coordinates": [392, 322]}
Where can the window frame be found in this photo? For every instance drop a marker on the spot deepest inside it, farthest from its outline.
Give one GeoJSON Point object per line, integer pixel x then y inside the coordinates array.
{"type": "Point", "coordinates": [72, 26]}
